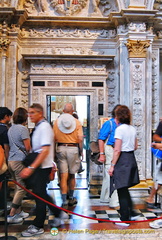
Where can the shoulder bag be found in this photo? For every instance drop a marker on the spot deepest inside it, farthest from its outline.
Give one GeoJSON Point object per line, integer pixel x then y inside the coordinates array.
{"type": "Point", "coordinates": [3, 164]}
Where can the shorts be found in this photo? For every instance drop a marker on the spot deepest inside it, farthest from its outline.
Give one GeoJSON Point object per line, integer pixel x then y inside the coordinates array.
{"type": "Point", "coordinates": [68, 159]}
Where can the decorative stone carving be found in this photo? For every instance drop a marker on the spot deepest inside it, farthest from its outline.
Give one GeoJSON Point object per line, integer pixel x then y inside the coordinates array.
{"type": "Point", "coordinates": [122, 29]}
{"type": "Point", "coordinates": [100, 95]}
{"type": "Point", "coordinates": [137, 27]}
{"type": "Point", "coordinates": [4, 44]}
{"type": "Point", "coordinates": [138, 98]}
{"type": "Point", "coordinates": [35, 95]}
{"type": "Point", "coordinates": [78, 68]}
{"type": "Point", "coordinates": [137, 48]}
{"type": "Point", "coordinates": [68, 33]}
{"type": "Point", "coordinates": [68, 7]}
{"type": "Point", "coordinates": [111, 91]}
{"type": "Point", "coordinates": [5, 3]}
{"type": "Point", "coordinates": [159, 34]}
{"type": "Point", "coordinates": [158, 5]}
{"type": "Point", "coordinates": [155, 88]}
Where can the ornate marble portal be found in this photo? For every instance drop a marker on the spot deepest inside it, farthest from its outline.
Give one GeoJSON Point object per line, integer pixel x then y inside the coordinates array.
{"type": "Point", "coordinates": [108, 50]}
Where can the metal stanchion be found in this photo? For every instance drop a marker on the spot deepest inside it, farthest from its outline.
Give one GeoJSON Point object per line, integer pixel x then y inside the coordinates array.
{"type": "Point", "coordinates": [6, 237]}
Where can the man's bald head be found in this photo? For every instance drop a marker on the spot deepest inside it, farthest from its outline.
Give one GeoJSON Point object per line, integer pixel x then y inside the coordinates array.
{"type": "Point", "coordinates": [68, 108]}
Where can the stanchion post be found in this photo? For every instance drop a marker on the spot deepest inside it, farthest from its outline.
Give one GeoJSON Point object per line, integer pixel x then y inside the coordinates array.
{"type": "Point", "coordinates": [6, 237]}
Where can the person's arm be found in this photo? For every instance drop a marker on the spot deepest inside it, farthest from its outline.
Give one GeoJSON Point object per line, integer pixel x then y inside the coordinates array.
{"type": "Point", "coordinates": [157, 138]}
{"type": "Point", "coordinates": [27, 144]}
{"type": "Point", "coordinates": [116, 154]}
{"type": "Point", "coordinates": [26, 172]}
{"type": "Point", "coordinates": [6, 150]}
{"type": "Point", "coordinates": [102, 157]}
{"type": "Point", "coordinates": [136, 144]}
{"type": "Point", "coordinates": [157, 145]}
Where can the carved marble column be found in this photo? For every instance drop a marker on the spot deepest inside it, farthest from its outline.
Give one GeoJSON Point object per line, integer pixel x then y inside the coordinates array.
{"type": "Point", "coordinates": [140, 102]}
{"type": "Point", "coordinates": [4, 44]}
{"type": "Point", "coordinates": [135, 71]}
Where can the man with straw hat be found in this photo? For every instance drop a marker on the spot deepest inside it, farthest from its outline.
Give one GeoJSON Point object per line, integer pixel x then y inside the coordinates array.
{"type": "Point", "coordinates": [68, 138]}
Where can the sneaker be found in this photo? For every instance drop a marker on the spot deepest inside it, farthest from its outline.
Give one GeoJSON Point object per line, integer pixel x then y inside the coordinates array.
{"type": "Point", "coordinates": [64, 215]}
{"type": "Point", "coordinates": [134, 218]}
{"type": "Point", "coordinates": [56, 222]}
{"type": "Point", "coordinates": [32, 231]}
{"type": "Point", "coordinates": [122, 224]}
{"type": "Point", "coordinates": [14, 219]}
{"type": "Point", "coordinates": [23, 214]}
{"type": "Point", "coordinates": [72, 202]}
{"type": "Point", "coordinates": [156, 224]}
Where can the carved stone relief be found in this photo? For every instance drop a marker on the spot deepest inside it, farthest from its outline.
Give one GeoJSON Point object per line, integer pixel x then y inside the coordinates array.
{"type": "Point", "coordinates": [158, 5]}
{"type": "Point", "coordinates": [155, 88]}
{"type": "Point", "coordinates": [68, 33]}
{"type": "Point", "coordinates": [70, 7]}
{"type": "Point", "coordinates": [60, 68]}
{"type": "Point", "coordinates": [138, 96]}
{"type": "Point", "coordinates": [111, 83]}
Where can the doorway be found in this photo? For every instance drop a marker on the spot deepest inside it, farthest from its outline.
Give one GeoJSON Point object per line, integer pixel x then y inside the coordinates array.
{"type": "Point", "coordinates": [81, 105]}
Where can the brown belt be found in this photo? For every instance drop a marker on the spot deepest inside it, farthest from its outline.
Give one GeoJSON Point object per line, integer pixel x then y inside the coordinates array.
{"type": "Point", "coordinates": [68, 144]}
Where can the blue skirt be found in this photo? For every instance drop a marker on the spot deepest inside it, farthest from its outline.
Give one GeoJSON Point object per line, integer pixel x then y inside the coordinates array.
{"type": "Point", "coordinates": [125, 172]}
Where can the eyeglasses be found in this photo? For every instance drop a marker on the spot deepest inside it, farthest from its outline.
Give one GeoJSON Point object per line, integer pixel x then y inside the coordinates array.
{"type": "Point", "coordinates": [32, 112]}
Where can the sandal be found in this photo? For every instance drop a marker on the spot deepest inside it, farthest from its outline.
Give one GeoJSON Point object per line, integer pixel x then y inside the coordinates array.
{"type": "Point", "coordinates": [156, 224]}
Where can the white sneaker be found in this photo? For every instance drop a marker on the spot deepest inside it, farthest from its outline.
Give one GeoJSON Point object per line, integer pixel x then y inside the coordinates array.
{"type": "Point", "coordinates": [134, 218]}
{"type": "Point", "coordinates": [32, 231]}
{"type": "Point", "coordinates": [23, 214]}
{"type": "Point", "coordinates": [156, 224]}
{"type": "Point", "coordinates": [123, 224]}
{"type": "Point", "coordinates": [14, 219]}
{"type": "Point", "coordinates": [64, 215]}
{"type": "Point", "coordinates": [56, 222]}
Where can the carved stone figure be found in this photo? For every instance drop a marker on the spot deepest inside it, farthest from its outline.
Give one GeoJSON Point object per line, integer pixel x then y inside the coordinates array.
{"type": "Point", "coordinates": [68, 7]}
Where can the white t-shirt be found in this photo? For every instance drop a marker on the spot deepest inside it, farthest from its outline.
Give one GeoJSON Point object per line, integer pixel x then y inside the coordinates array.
{"type": "Point", "coordinates": [127, 134]}
{"type": "Point", "coordinates": [43, 136]}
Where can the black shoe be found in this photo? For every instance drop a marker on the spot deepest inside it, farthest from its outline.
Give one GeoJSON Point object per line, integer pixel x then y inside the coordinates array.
{"type": "Point", "coordinates": [72, 202]}
{"type": "Point", "coordinates": [81, 170]}
{"type": "Point", "coordinates": [151, 205]}
{"type": "Point", "coordinates": [64, 205]}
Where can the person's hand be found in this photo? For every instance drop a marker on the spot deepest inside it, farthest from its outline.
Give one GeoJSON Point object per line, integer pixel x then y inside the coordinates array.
{"type": "Point", "coordinates": [156, 145]}
{"type": "Point", "coordinates": [26, 172]}
{"type": "Point", "coordinates": [102, 158]}
{"type": "Point", "coordinates": [111, 171]}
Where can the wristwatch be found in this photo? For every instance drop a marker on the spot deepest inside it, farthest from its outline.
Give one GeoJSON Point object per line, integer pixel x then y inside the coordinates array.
{"type": "Point", "coordinates": [31, 167]}
{"type": "Point", "coordinates": [102, 153]}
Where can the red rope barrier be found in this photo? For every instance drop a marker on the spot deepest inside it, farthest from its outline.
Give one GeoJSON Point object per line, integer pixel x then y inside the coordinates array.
{"type": "Point", "coordinates": [80, 215]}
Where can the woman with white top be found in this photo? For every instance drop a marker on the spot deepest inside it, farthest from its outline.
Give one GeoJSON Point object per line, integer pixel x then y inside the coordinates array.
{"type": "Point", "coordinates": [123, 170]}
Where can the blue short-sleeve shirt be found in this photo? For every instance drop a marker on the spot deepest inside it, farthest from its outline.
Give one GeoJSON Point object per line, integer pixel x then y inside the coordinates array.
{"type": "Point", "coordinates": [108, 131]}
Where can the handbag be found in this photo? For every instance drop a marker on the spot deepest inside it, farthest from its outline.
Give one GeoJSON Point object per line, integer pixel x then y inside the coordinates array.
{"type": "Point", "coordinates": [3, 164]}
{"type": "Point", "coordinates": [95, 152]}
{"type": "Point", "coordinates": [52, 173]}
{"type": "Point", "coordinates": [29, 159]}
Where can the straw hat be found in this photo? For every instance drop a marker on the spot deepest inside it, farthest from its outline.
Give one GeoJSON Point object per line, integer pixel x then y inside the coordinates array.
{"type": "Point", "coordinates": [66, 123]}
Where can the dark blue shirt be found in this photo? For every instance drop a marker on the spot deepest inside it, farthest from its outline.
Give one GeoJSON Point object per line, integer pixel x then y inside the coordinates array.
{"type": "Point", "coordinates": [108, 131]}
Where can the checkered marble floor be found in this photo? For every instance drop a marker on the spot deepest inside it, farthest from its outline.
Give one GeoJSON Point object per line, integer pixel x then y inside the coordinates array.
{"type": "Point", "coordinates": [95, 210]}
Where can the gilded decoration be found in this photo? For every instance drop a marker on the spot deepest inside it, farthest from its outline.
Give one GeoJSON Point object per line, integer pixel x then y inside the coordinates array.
{"type": "Point", "coordinates": [137, 48]}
